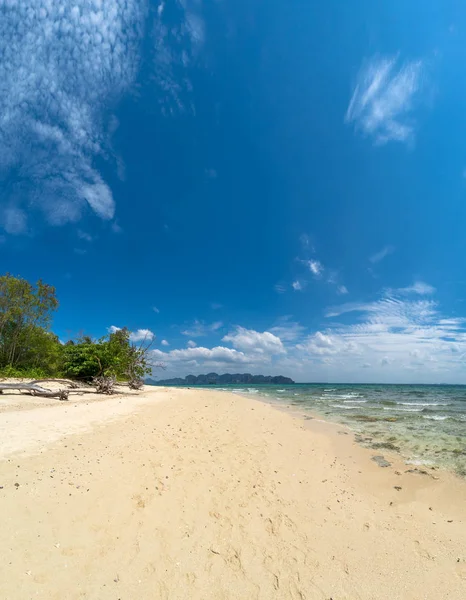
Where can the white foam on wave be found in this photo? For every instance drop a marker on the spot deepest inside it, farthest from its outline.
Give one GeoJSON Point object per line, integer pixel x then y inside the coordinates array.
{"type": "Point", "coordinates": [343, 406]}
{"type": "Point", "coordinates": [434, 417]}
{"type": "Point", "coordinates": [281, 390]}
{"type": "Point", "coordinates": [424, 403]}
{"type": "Point", "coordinates": [402, 409]}
{"type": "Point", "coordinates": [340, 396]}
{"type": "Point", "coordinates": [354, 401]}
{"type": "Point", "coordinates": [331, 390]}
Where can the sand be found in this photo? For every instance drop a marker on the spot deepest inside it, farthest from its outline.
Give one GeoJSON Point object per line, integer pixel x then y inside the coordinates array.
{"type": "Point", "coordinates": [193, 494]}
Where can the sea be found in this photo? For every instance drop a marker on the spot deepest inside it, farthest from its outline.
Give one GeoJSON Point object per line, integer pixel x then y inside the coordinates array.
{"type": "Point", "coordinates": [426, 424]}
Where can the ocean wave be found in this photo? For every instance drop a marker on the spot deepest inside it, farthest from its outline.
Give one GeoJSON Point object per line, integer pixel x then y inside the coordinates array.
{"type": "Point", "coordinates": [281, 390]}
{"type": "Point", "coordinates": [341, 396]}
{"type": "Point", "coordinates": [434, 417]}
{"type": "Point", "coordinates": [402, 409]}
{"type": "Point", "coordinates": [331, 390]}
{"type": "Point", "coordinates": [425, 403]}
{"type": "Point", "coordinates": [343, 406]}
{"type": "Point", "coordinates": [355, 401]}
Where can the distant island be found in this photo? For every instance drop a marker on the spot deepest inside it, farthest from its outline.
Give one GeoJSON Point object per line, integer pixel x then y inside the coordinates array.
{"type": "Point", "coordinates": [225, 379]}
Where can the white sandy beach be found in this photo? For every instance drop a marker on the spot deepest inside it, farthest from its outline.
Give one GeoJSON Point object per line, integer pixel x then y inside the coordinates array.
{"type": "Point", "coordinates": [176, 494]}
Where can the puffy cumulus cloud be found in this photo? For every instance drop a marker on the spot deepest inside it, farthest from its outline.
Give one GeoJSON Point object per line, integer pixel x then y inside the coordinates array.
{"type": "Point", "coordinates": [165, 343]}
{"type": "Point", "coordinates": [249, 340]}
{"type": "Point", "coordinates": [61, 65]}
{"type": "Point", "coordinates": [202, 356]}
{"type": "Point", "coordinates": [141, 335]}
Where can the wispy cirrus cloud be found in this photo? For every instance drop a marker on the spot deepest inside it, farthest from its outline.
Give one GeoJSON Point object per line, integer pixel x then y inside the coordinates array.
{"type": "Point", "coordinates": [176, 47]}
{"type": "Point", "coordinates": [396, 336]}
{"type": "Point", "coordinates": [200, 328]}
{"type": "Point", "coordinates": [418, 287]}
{"type": "Point", "coordinates": [384, 97]}
{"type": "Point", "coordinates": [61, 65]}
{"type": "Point", "coordinates": [381, 254]}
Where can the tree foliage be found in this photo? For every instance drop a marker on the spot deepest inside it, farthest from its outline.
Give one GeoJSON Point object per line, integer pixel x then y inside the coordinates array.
{"type": "Point", "coordinates": [25, 317]}
{"type": "Point", "coordinates": [29, 348]}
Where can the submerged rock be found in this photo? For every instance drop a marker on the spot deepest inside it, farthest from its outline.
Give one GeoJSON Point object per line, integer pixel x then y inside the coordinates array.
{"type": "Point", "coordinates": [385, 446]}
{"type": "Point", "coordinates": [380, 460]}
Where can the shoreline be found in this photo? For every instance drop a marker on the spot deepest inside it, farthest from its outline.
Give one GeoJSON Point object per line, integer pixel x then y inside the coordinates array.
{"type": "Point", "coordinates": [199, 494]}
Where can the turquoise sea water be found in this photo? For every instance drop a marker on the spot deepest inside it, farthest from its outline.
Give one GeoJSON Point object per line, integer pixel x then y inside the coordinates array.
{"type": "Point", "coordinates": [426, 424]}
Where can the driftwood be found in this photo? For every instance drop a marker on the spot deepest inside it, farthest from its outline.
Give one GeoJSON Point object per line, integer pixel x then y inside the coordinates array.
{"type": "Point", "coordinates": [35, 390]}
{"type": "Point", "coordinates": [102, 385]}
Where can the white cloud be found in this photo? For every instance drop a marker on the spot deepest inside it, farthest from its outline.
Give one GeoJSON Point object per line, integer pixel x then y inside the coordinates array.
{"type": "Point", "coordinates": [383, 99]}
{"type": "Point", "coordinates": [113, 329]}
{"type": "Point", "coordinates": [155, 309]}
{"type": "Point", "coordinates": [165, 343]}
{"type": "Point", "coordinates": [287, 330]}
{"type": "Point", "coordinates": [418, 287]}
{"type": "Point", "coordinates": [176, 47]}
{"type": "Point", "coordinates": [83, 235]}
{"type": "Point", "coordinates": [306, 243]}
{"type": "Point", "coordinates": [219, 354]}
{"type": "Point", "coordinates": [402, 337]}
{"type": "Point", "coordinates": [249, 340]}
{"type": "Point", "coordinates": [378, 256]}
{"type": "Point", "coordinates": [342, 290]}
{"type": "Point", "coordinates": [279, 288]}
{"type": "Point", "coordinates": [315, 267]}
{"type": "Point", "coordinates": [61, 66]}
{"type": "Point", "coordinates": [200, 329]}
{"type": "Point", "coordinates": [13, 220]}
{"type": "Point", "coordinates": [191, 344]}
{"type": "Point", "coordinates": [297, 285]}
{"type": "Point", "coordinates": [141, 335]}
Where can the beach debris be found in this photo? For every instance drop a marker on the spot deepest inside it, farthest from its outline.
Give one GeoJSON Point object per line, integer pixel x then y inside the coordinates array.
{"type": "Point", "coordinates": [418, 471]}
{"type": "Point", "coordinates": [35, 390]}
{"type": "Point", "coordinates": [380, 460]}
{"type": "Point", "coordinates": [398, 488]}
{"type": "Point", "coordinates": [104, 385]}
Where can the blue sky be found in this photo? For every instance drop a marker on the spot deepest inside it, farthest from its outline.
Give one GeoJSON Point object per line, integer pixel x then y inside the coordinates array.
{"type": "Point", "coordinates": [257, 187]}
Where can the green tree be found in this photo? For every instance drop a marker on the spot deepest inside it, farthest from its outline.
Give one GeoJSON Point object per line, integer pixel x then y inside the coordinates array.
{"type": "Point", "coordinates": [112, 356]}
{"type": "Point", "coordinates": [25, 316]}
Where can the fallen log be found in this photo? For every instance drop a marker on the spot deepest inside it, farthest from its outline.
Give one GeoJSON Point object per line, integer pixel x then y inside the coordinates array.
{"type": "Point", "coordinates": [35, 390]}
{"type": "Point", "coordinates": [73, 385]}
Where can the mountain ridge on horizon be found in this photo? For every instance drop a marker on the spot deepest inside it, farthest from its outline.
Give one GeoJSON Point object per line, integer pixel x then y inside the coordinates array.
{"type": "Point", "coordinates": [226, 378]}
